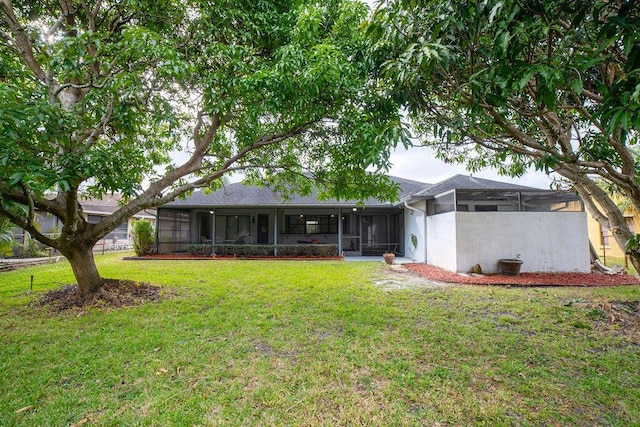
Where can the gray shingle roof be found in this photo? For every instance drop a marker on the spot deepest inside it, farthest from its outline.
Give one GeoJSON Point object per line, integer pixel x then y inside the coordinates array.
{"type": "Point", "coordinates": [238, 194]}
{"type": "Point", "coordinates": [108, 205]}
{"type": "Point", "coordinates": [465, 182]}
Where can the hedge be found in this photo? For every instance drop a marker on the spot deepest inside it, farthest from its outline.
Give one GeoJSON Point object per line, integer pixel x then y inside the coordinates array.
{"type": "Point", "coordinates": [321, 250]}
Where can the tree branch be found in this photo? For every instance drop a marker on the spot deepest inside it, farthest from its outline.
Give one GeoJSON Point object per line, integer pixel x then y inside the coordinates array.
{"type": "Point", "coordinates": [22, 223]}
{"type": "Point", "coordinates": [92, 137]}
{"type": "Point", "coordinates": [21, 40]}
{"type": "Point", "coordinates": [153, 197]}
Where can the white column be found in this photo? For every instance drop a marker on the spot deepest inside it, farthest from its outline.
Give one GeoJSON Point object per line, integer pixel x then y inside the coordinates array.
{"type": "Point", "coordinates": [275, 231]}
{"type": "Point", "coordinates": [339, 231]}
{"type": "Point", "coordinates": [213, 226]}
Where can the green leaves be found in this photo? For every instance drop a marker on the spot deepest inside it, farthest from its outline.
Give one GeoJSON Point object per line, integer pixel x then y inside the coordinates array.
{"type": "Point", "coordinates": [475, 72]}
{"type": "Point", "coordinates": [127, 82]}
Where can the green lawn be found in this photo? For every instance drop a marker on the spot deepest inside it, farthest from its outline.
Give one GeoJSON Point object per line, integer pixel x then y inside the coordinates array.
{"type": "Point", "coordinates": [611, 261]}
{"type": "Point", "coordinates": [314, 343]}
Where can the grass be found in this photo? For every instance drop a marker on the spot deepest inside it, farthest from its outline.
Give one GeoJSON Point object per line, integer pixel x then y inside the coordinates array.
{"type": "Point", "coordinates": [611, 261]}
{"type": "Point", "coordinates": [314, 343]}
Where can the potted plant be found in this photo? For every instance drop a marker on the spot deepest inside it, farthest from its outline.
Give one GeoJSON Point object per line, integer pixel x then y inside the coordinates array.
{"type": "Point", "coordinates": [389, 257]}
{"type": "Point", "coordinates": [510, 266]}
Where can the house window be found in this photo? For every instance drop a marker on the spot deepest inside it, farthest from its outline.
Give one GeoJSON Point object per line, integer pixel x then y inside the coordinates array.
{"type": "Point", "coordinates": [311, 224]}
{"type": "Point", "coordinates": [486, 208]}
{"type": "Point", "coordinates": [121, 232]}
{"type": "Point", "coordinates": [629, 221]}
{"type": "Point", "coordinates": [604, 236]}
{"type": "Point", "coordinates": [238, 225]}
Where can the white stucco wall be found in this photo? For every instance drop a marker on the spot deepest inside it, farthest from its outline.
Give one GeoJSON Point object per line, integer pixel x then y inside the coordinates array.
{"type": "Point", "coordinates": [414, 224]}
{"type": "Point", "coordinates": [441, 241]}
{"type": "Point", "coordinates": [546, 241]}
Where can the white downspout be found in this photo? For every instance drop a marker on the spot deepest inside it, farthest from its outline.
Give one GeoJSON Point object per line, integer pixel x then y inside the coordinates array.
{"type": "Point", "coordinates": [406, 205]}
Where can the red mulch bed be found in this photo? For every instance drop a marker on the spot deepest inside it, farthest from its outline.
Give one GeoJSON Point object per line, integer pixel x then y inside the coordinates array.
{"type": "Point", "coordinates": [526, 279]}
{"type": "Point", "coordinates": [178, 257]}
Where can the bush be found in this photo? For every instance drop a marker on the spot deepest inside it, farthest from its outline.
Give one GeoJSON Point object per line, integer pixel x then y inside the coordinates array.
{"type": "Point", "coordinates": [31, 248]}
{"type": "Point", "coordinates": [200, 250]}
{"type": "Point", "coordinates": [143, 238]}
{"type": "Point", "coordinates": [308, 250]}
{"type": "Point", "coordinates": [262, 250]}
{"type": "Point", "coordinates": [6, 249]}
{"type": "Point", "coordinates": [243, 250]}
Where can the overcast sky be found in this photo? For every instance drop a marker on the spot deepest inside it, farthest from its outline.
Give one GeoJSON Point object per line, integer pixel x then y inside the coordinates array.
{"type": "Point", "coordinates": [420, 164]}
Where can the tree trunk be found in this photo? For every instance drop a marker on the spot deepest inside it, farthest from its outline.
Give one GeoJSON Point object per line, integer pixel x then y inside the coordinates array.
{"type": "Point", "coordinates": [84, 269]}
{"type": "Point", "coordinates": [603, 209]}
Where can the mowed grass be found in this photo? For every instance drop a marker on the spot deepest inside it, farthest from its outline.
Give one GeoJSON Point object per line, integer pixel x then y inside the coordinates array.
{"type": "Point", "coordinates": [611, 261]}
{"type": "Point", "coordinates": [313, 343]}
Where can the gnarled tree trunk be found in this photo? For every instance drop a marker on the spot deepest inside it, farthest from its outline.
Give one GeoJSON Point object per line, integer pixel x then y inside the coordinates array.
{"type": "Point", "coordinates": [84, 268]}
{"type": "Point", "coordinates": [603, 209]}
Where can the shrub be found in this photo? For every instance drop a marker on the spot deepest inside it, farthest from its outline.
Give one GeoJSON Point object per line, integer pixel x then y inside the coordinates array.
{"type": "Point", "coordinates": [5, 249]}
{"type": "Point", "coordinates": [6, 233]}
{"type": "Point", "coordinates": [307, 250]}
{"type": "Point", "coordinates": [262, 250]}
{"type": "Point", "coordinates": [200, 249]}
{"type": "Point", "coordinates": [243, 250]}
{"type": "Point", "coordinates": [143, 238]}
{"type": "Point", "coordinates": [31, 248]}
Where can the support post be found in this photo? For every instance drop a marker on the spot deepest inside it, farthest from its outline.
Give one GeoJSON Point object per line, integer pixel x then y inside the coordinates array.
{"type": "Point", "coordinates": [339, 231]}
{"type": "Point", "coordinates": [275, 232]}
{"type": "Point", "coordinates": [213, 226]}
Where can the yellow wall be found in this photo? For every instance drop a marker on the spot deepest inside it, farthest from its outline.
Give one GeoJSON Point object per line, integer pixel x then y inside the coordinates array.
{"type": "Point", "coordinates": [611, 249]}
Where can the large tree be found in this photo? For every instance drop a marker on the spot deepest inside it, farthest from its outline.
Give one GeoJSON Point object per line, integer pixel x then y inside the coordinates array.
{"type": "Point", "coordinates": [515, 84]}
{"type": "Point", "coordinates": [96, 95]}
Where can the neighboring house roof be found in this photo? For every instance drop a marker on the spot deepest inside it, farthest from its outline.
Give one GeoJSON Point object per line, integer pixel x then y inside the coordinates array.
{"type": "Point", "coordinates": [238, 194]}
{"type": "Point", "coordinates": [466, 182]}
{"type": "Point", "coordinates": [108, 205]}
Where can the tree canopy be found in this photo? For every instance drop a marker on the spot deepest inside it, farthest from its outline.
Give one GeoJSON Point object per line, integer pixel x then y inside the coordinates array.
{"type": "Point", "coordinates": [95, 96]}
{"type": "Point", "coordinates": [518, 84]}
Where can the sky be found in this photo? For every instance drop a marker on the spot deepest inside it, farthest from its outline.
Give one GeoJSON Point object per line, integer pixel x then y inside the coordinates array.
{"type": "Point", "coordinates": [420, 164]}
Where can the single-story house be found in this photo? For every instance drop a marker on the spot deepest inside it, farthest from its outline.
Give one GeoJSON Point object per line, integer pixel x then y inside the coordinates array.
{"type": "Point", "coordinates": [454, 224]}
{"type": "Point", "coordinates": [93, 211]}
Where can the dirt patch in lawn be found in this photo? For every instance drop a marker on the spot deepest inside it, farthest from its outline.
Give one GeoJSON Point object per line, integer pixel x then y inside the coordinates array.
{"type": "Point", "coordinates": [398, 277]}
{"type": "Point", "coordinates": [525, 279]}
{"type": "Point", "coordinates": [114, 293]}
{"type": "Point", "coordinates": [617, 317]}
